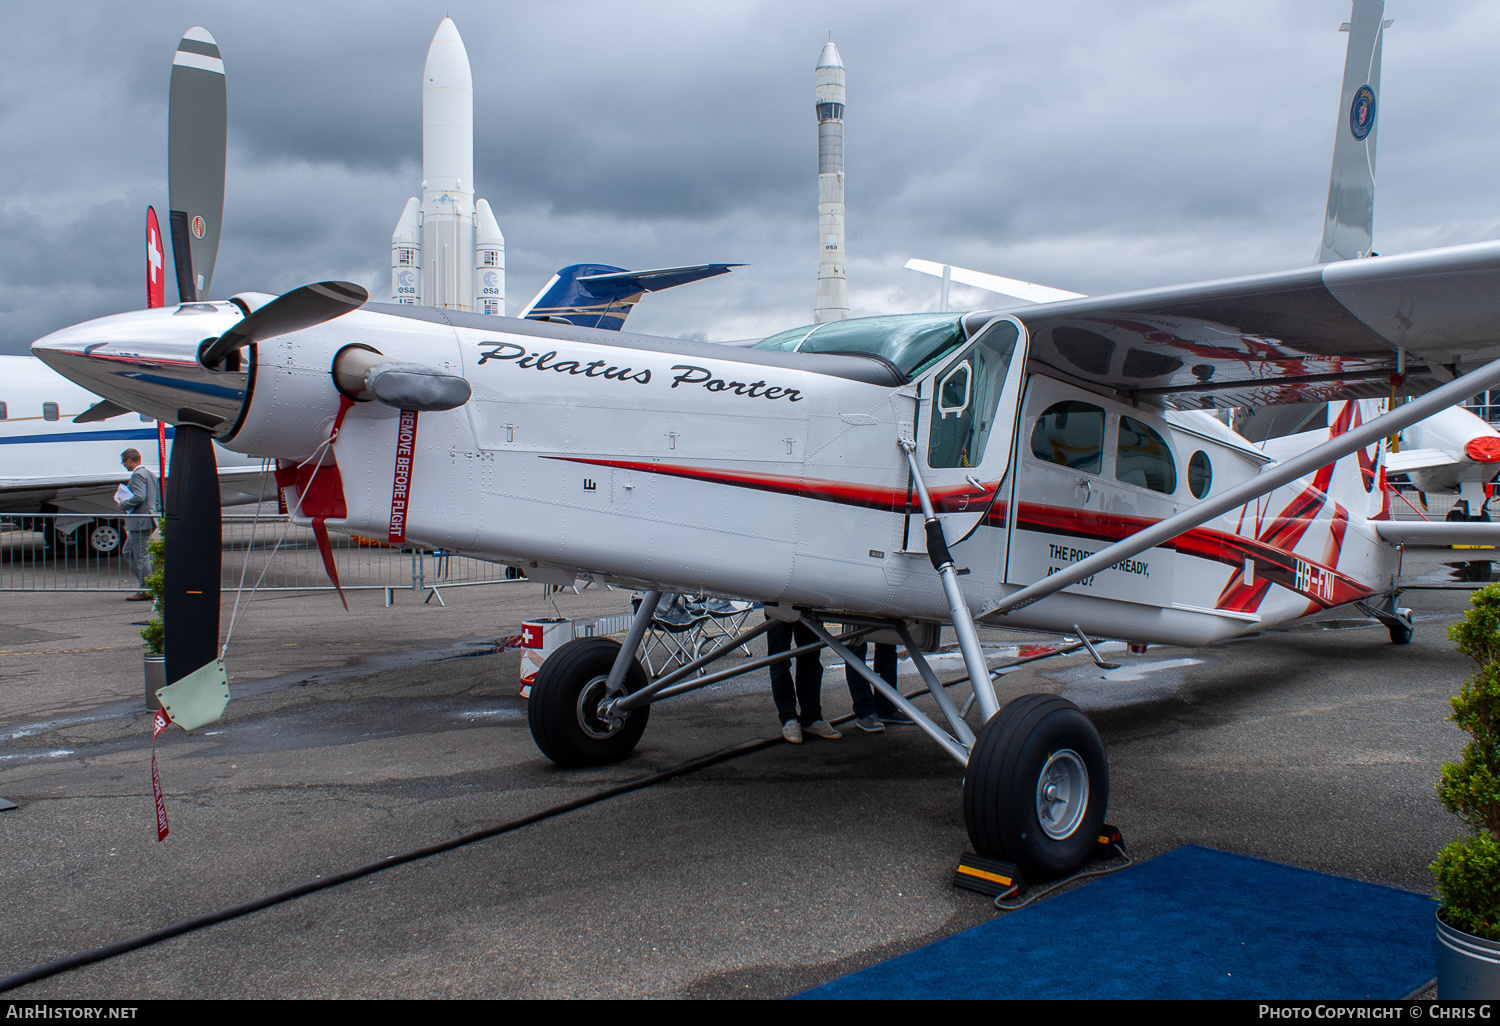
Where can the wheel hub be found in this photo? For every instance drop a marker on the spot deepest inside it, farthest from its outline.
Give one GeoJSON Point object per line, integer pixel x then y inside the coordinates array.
{"type": "Point", "coordinates": [1062, 794]}
{"type": "Point", "coordinates": [594, 723]}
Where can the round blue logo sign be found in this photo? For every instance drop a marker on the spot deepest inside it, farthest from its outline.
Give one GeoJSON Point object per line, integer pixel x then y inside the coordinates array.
{"type": "Point", "coordinates": [1362, 112]}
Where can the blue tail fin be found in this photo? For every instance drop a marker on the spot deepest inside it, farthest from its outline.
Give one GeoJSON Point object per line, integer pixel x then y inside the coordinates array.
{"type": "Point", "coordinates": [601, 296]}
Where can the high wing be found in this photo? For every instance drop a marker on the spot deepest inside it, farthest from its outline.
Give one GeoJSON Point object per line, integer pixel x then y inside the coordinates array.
{"type": "Point", "coordinates": [1356, 329]}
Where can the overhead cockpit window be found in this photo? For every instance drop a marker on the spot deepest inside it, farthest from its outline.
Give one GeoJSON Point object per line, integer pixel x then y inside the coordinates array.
{"type": "Point", "coordinates": [913, 342]}
{"type": "Point", "coordinates": [1070, 434]}
{"type": "Point", "coordinates": [49, 411]}
{"type": "Point", "coordinates": [1200, 474]}
{"type": "Point", "coordinates": [967, 398]}
{"type": "Point", "coordinates": [1143, 459]}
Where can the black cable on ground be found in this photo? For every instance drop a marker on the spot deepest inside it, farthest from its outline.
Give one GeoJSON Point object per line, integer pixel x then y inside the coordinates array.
{"type": "Point", "coordinates": [1002, 906]}
{"type": "Point", "coordinates": [176, 929]}
{"type": "Point", "coordinates": [83, 958]}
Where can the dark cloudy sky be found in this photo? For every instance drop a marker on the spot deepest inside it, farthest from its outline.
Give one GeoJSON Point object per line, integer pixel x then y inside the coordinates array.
{"type": "Point", "coordinates": [1091, 146]}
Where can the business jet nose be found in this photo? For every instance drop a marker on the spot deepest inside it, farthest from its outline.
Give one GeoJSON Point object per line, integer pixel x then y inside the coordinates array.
{"type": "Point", "coordinates": [147, 361]}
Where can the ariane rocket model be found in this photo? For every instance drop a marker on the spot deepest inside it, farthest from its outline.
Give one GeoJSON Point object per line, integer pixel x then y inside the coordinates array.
{"type": "Point", "coordinates": [447, 250]}
{"type": "Point", "coordinates": [828, 87]}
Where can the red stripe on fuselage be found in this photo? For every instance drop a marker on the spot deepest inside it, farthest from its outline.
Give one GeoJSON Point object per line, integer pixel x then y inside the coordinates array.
{"type": "Point", "coordinates": [1273, 564]}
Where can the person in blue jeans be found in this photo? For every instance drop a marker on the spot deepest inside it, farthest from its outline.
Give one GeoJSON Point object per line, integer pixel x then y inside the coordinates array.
{"type": "Point", "coordinates": [805, 690]}
{"type": "Point", "coordinates": [872, 710]}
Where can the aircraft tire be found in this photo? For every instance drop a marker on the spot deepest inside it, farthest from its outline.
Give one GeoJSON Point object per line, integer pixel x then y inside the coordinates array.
{"type": "Point", "coordinates": [1034, 741]}
{"type": "Point", "coordinates": [1400, 632]}
{"type": "Point", "coordinates": [565, 691]}
{"type": "Point", "coordinates": [105, 537]}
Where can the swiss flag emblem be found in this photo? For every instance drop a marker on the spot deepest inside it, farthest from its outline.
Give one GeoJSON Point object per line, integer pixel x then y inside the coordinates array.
{"type": "Point", "coordinates": [155, 262]}
{"type": "Point", "coordinates": [531, 636]}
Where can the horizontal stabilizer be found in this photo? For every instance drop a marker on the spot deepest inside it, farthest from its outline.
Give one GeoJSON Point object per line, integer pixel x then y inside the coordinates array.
{"type": "Point", "coordinates": [602, 296]}
{"type": "Point", "coordinates": [1013, 287]}
{"type": "Point", "coordinates": [1436, 534]}
{"type": "Point", "coordinates": [625, 283]}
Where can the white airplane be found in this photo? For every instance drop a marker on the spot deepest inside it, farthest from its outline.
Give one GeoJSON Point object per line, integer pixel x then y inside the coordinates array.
{"type": "Point", "coordinates": [1061, 453]}
{"type": "Point", "coordinates": [1052, 467]}
{"type": "Point", "coordinates": [49, 463]}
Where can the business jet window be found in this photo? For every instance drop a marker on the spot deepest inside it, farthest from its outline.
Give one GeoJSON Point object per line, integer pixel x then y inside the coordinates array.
{"type": "Point", "coordinates": [966, 397]}
{"type": "Point", "coordinates": [1143, 459]}
{"type": "Point", "coordinates": [49, 411]}
{"type": "Point", "coordinates": [3, 414]}
{"type": "Point", "coordinates": [913, 342]}
{"type": "Point", "coordinates": [1070, 434]}
{"type": "Point", "coordinates": [1200, 474]}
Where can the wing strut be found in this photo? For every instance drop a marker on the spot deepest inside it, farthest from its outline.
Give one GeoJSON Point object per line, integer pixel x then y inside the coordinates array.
{"type": "Point", "coordinates": [1268, 480]}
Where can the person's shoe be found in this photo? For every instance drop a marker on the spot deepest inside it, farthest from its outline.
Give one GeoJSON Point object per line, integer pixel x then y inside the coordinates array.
{"type": "Point", "coordinates": [898, 718]}
{"type": "Point", "coordinates": [792, 731]}
{"type": "Point", "coordinates": [822, 728]}
{"type": "Point", "coordinates": [870, 724]}
{"type": "Point", "coordinates": [140, 596]}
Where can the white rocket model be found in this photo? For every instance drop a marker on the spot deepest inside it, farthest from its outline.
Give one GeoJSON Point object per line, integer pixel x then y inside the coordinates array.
{"type": "Point", "coordinates": [447, 250]}
{"type": "Point", "coordinates": [828, 87]}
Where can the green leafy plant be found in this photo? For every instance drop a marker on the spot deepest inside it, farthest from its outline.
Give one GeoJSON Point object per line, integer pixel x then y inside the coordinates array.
{"type": "Point", "coordinates": [1468, 868]}
{"type": "Point", "coordinates": [155, 632]}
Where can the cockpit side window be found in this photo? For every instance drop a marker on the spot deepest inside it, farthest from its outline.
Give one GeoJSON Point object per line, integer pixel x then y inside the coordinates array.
{"type": "Point", "coordinates": [1142, 458]}
{"type": "Point", "coordinates": [967, 397]}
{"type": "Point", "coordinates": [1070, 434]}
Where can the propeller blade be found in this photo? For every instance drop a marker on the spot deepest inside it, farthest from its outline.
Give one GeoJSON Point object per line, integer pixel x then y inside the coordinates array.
{"type": "Point", "coordinates": [293, 311]}
{"type": "Point", "coordinates": [102, 410]}
{"type": "Point", "coordinates": [197, 126]}
{"type": "Point", "coordinates": [194, 554]}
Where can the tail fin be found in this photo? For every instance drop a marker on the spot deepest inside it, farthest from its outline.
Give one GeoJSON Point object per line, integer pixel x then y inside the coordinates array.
{"type": "Point", "coordinates": [1348, 225]}
{"type": "Point", "coordinates": [601, 296]}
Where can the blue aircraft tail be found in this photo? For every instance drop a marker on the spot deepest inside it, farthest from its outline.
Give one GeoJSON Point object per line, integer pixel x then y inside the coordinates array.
{"type": "Point", "coordinates": [601, 296]}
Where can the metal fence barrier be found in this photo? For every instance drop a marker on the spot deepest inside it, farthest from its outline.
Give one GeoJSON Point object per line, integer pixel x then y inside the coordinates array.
{"type": "Point", "coordinates": [69, 552]}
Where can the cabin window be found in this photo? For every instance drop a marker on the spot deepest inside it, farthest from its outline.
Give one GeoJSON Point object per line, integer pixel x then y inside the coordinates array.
{"type": "Point", "coordinates": [1143, 459]}
{"type": "Point", "coordinates": [49, 411]}
{"type": "Point", "coordinates": [1200, 474]}
{"type": "Point", "coordinates": [3, 414]}
{"type": "Point", "coordinates": [1070, 434]}
{"type": "Point", "coordinates": [967, 397]}
{"type": "Point", "coordinates": [147, 420]}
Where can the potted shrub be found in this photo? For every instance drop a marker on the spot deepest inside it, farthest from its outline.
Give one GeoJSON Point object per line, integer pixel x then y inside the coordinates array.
{"type": "Point", "coordinates": [1468, 868]}
{"type": "Point", "coordinates": [155, 632]}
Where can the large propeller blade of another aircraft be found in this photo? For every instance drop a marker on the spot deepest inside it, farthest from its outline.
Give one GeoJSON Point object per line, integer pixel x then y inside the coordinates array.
{"type": "Point", "coordinates": [197, 128]}
{"type": "Point", "coordinates": [293, 311]}
{"type": "Point", "coordinates": [194, 556]}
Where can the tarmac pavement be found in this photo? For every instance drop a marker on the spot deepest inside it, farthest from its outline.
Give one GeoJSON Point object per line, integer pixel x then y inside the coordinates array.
{"type": "Point", "coordinates": [356, 736]}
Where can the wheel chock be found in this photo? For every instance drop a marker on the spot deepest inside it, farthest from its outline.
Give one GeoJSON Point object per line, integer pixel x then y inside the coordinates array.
{"type": "Point", "coordinates": [1110, 839]}
{"type": "Point", "coordinates": [988, 876]}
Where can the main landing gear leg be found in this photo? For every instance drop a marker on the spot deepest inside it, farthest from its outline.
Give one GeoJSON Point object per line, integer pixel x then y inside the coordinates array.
{"type": "Point", "coordinates": [958, 609]}
{"type": "Point", "coordinates": [1036, 784]}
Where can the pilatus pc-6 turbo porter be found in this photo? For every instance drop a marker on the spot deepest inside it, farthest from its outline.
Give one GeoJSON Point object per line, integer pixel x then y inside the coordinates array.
{"type": "Point", "coordinates": [1052, 468]}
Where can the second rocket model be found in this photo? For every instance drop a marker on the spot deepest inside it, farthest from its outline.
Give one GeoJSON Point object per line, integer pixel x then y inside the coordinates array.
{"type": "Point", "coordinates": [447, 250]}
{"type": "Point", "coordinates": [828, 86]}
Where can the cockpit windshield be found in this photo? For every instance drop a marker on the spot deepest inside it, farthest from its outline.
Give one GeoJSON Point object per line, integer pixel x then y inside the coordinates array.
{"type": "Point", "coordinates": [913, 342]}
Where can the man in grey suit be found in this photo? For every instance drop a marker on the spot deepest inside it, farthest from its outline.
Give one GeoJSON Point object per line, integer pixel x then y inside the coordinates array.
{"type": "Point", "coordinates": [141, 507]}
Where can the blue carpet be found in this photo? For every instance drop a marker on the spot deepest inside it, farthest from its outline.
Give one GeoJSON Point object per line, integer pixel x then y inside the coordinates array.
{"type": "Point", "coordinates": [1193, 923]}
